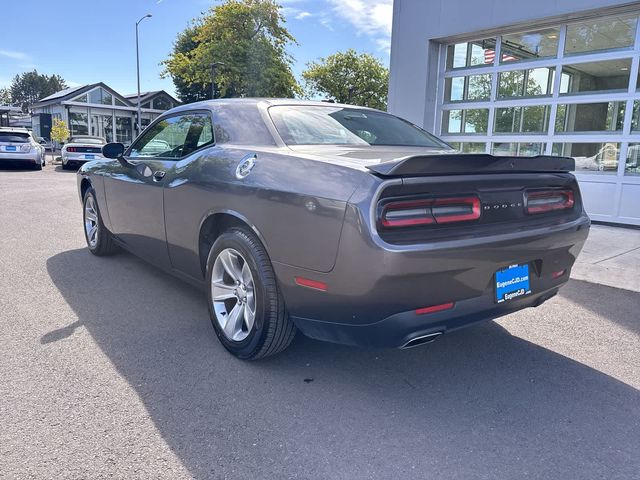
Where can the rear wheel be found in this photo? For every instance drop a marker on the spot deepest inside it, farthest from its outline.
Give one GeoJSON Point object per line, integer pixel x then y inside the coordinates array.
{"type": "Point", "coordinates": [245, 305]}
{"type": "Point", "coordinates": [99, 239]}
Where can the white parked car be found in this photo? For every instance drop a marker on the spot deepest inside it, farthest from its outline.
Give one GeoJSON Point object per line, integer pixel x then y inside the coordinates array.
{"type": "Point", "coordinates": [17, 146]}
{"type": "Point", "coordinates": [81, 149]}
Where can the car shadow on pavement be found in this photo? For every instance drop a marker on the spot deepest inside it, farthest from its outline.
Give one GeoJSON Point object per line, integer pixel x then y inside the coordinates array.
{"type": "Point", "coordinates": [480, 403]}
{"type": "Point", "coordinates": [609, 302]}
{"type": "Point", "coordinates": [62, 170]}
{"type": "Point", "coordinates": [7, 166]}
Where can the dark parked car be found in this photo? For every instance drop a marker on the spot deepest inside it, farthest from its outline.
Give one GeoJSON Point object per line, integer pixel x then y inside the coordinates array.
{"type": "Point", "coordinates": [348, 224]}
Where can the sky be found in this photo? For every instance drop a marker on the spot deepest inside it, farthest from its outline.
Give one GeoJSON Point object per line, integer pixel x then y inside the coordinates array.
{"type": "Point", "coordinates": [86, 41]}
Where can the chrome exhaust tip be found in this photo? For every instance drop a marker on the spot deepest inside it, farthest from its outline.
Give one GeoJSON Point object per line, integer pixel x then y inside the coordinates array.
{"type": "Point", "coordinates": [422, 340]}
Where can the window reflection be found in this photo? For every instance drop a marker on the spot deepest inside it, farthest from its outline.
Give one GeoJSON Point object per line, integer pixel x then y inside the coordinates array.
{"type": "Point", "coordinates": [632, 166]}
{"type": "Point", "coordinates": [601, 34]}
{"type": "Point", "coordinates": [102, 126]}
{"type": "Point", "coordinates": [123, 130]}
{"type": "Point", "coordinates": [635, 118]}
{"type": "Point", "coordinates": [519, 149]}
{"type": "Point", "coordinates": [101, 96]}
{"type": "Point", "coordinates": [590, 117]}
{"type": "Point", "coordinates": [472, 120]}
{"type": "Point", "coordinates": [162, 103]}
{"type": "Point", "coordinates": [530, 45]}
{"type": "Point", "coordinates": [533, 119]}
{"type": "Point", "coordinates": [469, 147]}
{"type": "Point", "coordinates": [479, 52]}
{"type": "Point", "coordinates": [594, 157]}
{"type": "Point", "coordinates": [471, 87]}
{"type": "Point", "coordinates": [530, 83]}
{"type": "Point", "coordinates": [78, 123]}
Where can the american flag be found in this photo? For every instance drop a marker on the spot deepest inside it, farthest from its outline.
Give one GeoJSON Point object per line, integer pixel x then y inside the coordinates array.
{"type": "Point", "coordinates": [490, 56]}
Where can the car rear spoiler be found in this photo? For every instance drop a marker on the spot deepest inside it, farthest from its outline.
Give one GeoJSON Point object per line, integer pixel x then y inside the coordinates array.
{"type": "Point", "coordinates": [466, 163]}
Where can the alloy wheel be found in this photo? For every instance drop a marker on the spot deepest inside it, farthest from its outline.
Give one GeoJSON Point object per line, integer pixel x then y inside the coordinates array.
{"type": "Point", "coordinates": [233, 295]}
{"type": "Point", "coordinates": [91, 221]}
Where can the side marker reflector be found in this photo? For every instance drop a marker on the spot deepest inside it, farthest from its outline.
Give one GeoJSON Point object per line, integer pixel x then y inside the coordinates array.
{"type": "Point", "coordinates": [555, 275]}
{"type": "Point", "coordinates": [435, 308]}
{"type": "Point", "coordinates": [305, 282]}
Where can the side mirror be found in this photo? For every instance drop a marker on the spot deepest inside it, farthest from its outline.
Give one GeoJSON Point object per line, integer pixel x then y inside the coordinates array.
{"type": "Point", "coordinates": [113, 150]}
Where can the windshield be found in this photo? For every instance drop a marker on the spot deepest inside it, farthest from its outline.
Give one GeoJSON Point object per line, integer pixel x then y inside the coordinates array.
{"type": "Point", "coordinates": [14, 137]}
{"type": "Point", "coordinates": [90, 140]}
{"type": "Point", "coordinates": [333, 125]}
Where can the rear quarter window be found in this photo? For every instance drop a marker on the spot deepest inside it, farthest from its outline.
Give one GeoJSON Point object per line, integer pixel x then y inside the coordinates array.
{"type": "Point", "coordinates": [240, 125]}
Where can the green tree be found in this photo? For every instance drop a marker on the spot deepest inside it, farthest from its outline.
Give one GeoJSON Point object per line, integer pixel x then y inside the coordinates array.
{"type": "Point", "coordinates": [249, 38]}
{"type": "Point", "coordinates": [5, 97]}
{"type": "Point", "coordinates": [29, 87]}
{"type": "Point", "coordinates": [349, 77]}
{"type": "Point", "coordinates": [188, 91]}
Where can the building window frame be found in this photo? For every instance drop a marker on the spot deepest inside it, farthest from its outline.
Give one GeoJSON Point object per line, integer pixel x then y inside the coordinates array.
{"type": "Point", "coordinates": [548, 137]}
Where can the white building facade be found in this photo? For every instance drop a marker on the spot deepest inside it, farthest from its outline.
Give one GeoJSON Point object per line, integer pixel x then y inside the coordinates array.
{"type": "Point", "coordinates": [98, 110]}
{"type": "Point", "coordinates": [529, 78]}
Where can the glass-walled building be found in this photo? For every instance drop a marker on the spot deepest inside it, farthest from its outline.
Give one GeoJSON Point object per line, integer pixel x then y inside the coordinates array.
{"type": "Point", "coordinates": [98, 110]}
{"type": "Point", "coordinates": [554, 85]}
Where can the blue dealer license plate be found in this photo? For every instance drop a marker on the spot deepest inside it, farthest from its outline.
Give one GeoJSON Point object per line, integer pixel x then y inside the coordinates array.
{"type": "Point", "coordinates": [10, 148]}
{"type": "Point", "coordinates": [89, 157]}
{"type": "Point", "coordinates": [512, 282]}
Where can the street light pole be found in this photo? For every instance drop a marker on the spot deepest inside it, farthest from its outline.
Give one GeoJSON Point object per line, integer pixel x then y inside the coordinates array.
{"type": "Point", "coordinates": [214, 67]}
{"type": "Point", "coordinates": [148, 15]}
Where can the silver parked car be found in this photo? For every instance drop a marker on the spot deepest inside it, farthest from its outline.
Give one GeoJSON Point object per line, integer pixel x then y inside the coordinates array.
{"type": "Point", "coordinates": [17, 146]}
{"type": "Point", "coordinates": [81, 149]}
{"type": "Point", "coordinates": [46, 144]}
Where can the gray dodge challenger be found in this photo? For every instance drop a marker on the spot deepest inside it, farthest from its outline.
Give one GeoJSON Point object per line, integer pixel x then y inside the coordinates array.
{"type": "Point", "coordinates": [345, 223]}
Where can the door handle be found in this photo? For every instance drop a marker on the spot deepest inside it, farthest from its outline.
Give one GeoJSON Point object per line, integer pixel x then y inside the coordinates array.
{"type": "Point", "coordinates": [158, 175]}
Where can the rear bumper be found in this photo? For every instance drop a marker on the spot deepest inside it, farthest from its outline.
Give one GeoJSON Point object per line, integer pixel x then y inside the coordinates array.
{"type": "Point", "coordinates": [397, 331]}
{"type": "Point", "coordinates": [22, 159]}
{"type": "Point", "coordinates": [375, 288]}
{"type": "Point", "coordinates": [79, 159]}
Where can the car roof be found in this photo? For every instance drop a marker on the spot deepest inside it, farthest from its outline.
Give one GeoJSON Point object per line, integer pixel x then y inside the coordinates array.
{"type": "Point", "coordinates": [14, 130]}
{"type": "Point", "coordinates": [268, 102]}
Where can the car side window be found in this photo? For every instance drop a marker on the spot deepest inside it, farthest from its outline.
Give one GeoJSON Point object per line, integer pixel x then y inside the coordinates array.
{"type": "Point", "coordinates": [174, 137]}
{"type": "Point", "coordinates": [240, 125]}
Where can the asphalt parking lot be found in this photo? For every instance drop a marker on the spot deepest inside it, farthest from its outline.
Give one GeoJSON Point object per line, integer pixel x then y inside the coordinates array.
{"type": "Point", "coordinates": [110, 368]}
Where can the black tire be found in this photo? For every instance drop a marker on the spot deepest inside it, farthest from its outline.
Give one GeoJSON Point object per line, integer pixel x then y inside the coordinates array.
{"type": "Point", "coordinates": [104, 244]}
{"type": "Point", "coordinates": [272, 330]}
{"type": "Point", "coordinates": [64, 166]}
{"type": "Point", "coordinates": [38, 166]}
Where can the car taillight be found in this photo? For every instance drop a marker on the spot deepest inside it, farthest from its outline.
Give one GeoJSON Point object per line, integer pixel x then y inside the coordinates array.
{"type": "Point", "coordinates": [430, 211]}
{"type": "Point", "coordinates": [71, 149]}
{"type": "Point", "coordinates": [25, 148]}
{"type": "Point", "coordinates": [541, 201]}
